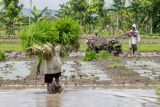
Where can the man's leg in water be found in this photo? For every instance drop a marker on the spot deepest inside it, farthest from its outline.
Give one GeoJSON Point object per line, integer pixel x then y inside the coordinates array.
{"type": "Point", "coordinates": [57, 80]}
{"type": "Point", "coordinates": [134, 49]}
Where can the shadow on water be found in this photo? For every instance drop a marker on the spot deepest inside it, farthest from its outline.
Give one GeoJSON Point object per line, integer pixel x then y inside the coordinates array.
{"type": "Point", "coordinates": [80, 97]}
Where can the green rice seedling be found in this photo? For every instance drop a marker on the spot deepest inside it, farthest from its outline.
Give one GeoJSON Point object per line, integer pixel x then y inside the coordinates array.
{"type": "Point", "coordinates": [2, 56]}
{"type": "Point", "coordinates": [103, 54]}
{"type": "Point", "coordinates": [89, 56]}
{"type": "Point", "coordinates": [40, 38]}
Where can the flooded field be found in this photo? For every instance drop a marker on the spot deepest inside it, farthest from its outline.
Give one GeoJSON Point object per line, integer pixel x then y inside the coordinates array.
{"type": "Point", "coordinates": [13, 70]}
{"type": "Point", "coordinates": [148, 69]}
{"type": "Point", "coordinates": [85, 70]}
{"type": "Point", "coordinates": [80, 97]}
{"type": "Point", "coordinates": [85, 73]}
{"type": "Point", "coordinates": [72, 70]}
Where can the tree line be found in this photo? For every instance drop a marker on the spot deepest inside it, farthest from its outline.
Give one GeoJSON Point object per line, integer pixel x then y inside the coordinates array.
{"type": "Point", "coordinates": [92, 15]}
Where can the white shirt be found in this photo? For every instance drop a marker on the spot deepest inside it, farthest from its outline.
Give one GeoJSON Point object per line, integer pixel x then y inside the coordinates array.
{"type": "Point", "coordinates": [134, 38]}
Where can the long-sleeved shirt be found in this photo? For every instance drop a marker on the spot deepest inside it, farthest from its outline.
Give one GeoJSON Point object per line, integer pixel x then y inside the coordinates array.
{"type": "Point", "coordinates": [54, 65]}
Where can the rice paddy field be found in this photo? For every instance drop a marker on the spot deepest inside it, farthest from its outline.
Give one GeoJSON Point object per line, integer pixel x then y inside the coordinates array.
{"type": "Point", "coordinates": [148, 44]}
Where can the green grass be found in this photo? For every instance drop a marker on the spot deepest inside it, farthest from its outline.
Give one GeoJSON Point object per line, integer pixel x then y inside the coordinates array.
{"type": "Point", "coordinates": [2, 56]}
{"type": "Point", "coordinates": [9, 41]}
{"type": "Point", "coordinates": [157, 90]}
{"type": "Point", "coordinates": [83, 47]}
{"type": "Point", "coordinates": [143, 47]}
{"type": "Point", "coordinates": [89, 56]}
{"type": "Point", "coordinates": [6, 46]}
{"type": "Point", "coordinates": [11, 47]}
{"type": "Point", "coordinates": [3, 33]}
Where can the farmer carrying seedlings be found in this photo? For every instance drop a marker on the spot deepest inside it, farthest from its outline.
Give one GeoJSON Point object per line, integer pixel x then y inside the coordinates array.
{"type": "Point", "coordinates": [41, 39]}
{"type": "Point", "coordinates": [53, 69]}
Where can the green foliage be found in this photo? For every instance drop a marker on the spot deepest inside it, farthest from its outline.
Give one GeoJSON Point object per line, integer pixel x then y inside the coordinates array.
{"type": "Point", "coordinates": [113, 62]}
{"type": "Point", "coordinates": [68, 31]}
{"type": "Point", "coordinates": [83, 47]}
{"type": "Point", "coordinates": [38, 15]}
{"type": "Point", "coordinates": [64, 31]}
{"type": "Point", "coordinates": [39, 33]}
{"type": "Point", "coordinates": [103, 54]}
{"type": "Point", "coordinates": [156, 14]}
{"type": "Point", "coordinates": [2, 56]}
{"type": "Point", "coordinates": [10, 13]}
{"type": "Point", "coordinates": [142, 10]}
{"type": "Point", "coordinates": [87, 13]}
{"type": "Point", "coordinates": [40, 38]}
{"type": "Point", "coordinates": [119, 4]}
{"type": "Point", "coordinates": [89, 56]}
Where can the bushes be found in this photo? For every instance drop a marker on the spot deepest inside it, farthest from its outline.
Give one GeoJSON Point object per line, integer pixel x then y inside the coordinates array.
{"type": "Point", "coordinates": [103, 54]}
{"type": "Point", "coordinates": [2, 56]}
{"type": "Point", "coordinates": [91, 55]}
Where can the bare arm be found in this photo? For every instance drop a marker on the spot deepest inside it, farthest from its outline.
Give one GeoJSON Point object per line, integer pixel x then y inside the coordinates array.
{"type": "Point", "coordinates": [40, 60]}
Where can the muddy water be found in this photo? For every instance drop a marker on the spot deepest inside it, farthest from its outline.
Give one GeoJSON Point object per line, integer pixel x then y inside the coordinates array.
{"type": "Point", "coordinates": [148, 69]}
{"type": "Point", "coordinates": [14, 70]}
{"type": "Point", "coordinates": [84, 70]}
{"type": "Point", "coordinates": [84, 97]}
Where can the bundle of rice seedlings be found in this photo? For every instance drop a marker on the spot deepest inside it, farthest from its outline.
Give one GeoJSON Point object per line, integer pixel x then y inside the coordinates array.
{"type": "Point", "coordinates": [40, 38]}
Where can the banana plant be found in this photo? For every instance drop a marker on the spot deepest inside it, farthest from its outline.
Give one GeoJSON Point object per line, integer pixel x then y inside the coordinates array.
{"type": "Point", "coordinates": [38, 15]}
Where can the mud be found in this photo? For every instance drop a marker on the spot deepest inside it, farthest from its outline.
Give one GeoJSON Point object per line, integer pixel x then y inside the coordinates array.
{"type": "Point", "coordinates": [13, 70]}
{"type": "Point", "coordinates": [148, 69]}
{"type": "Point", "coordinates": [80, 97]}
{"type": "Point", "coordinates": [75, 72]}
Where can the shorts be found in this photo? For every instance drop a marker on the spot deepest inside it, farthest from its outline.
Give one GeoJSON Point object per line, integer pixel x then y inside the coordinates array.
{"type": "Point", "coordinates": [134, 47]}
{"type": "Point", "coordinates": [49, 77]}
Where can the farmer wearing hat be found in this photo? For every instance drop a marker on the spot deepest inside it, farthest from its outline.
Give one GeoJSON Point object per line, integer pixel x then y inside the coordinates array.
{"type": "Point", "coordinates": [134, 38]}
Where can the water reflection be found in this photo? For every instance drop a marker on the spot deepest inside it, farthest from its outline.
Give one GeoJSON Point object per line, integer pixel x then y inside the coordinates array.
{"type": "Point", "coordinates": [47, 100]}
{"type": "Point", "coordinates": [53, 100]}
{"type": "Point", "coordinates": [82, 97]}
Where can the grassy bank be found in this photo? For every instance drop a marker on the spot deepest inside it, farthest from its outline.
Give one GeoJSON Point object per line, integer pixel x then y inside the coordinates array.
{"type": "Point", "coordinates": [11, 47]}
{"type": "Point", "coordinates": [147, 45]}
{"type": "Point", "coordinates": [143, 47]}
